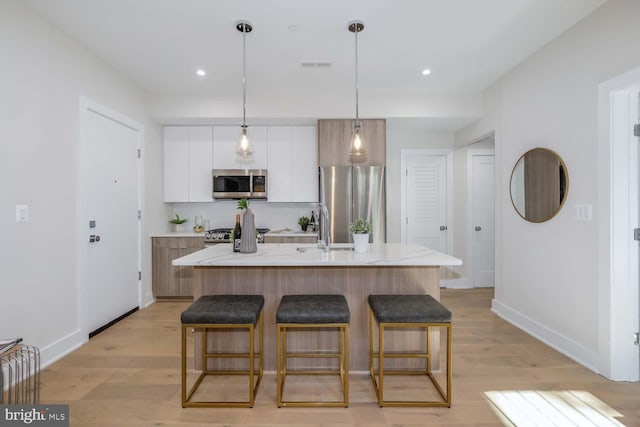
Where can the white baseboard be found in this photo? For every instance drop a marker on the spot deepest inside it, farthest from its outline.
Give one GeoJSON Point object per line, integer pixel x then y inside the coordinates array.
{"type": "Point", "coordinates": [553, 339]}
{"type": "Point", "coordinates": [455, 283]}
{"type": "Point", "coordinates": [147, 300]}
{"type": "Point", "coordinates": [61, 348]}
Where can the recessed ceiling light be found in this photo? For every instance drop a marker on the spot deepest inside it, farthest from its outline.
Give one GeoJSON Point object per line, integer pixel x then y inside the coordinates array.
{"type": "Point", "coordinates": [201, 73]}
{"type": "Point", "coordinates": [426, 72]}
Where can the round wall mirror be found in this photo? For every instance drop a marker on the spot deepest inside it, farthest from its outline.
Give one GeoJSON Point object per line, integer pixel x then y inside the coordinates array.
{"type": "Point", "coordinates": [539, 185]}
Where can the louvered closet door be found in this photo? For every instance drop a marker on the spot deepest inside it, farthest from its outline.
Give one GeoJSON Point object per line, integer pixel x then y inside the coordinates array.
{"type": "Point", "coordinates": [426, 201]}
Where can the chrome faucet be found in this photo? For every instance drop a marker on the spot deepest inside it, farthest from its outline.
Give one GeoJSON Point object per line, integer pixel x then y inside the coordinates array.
{"type": "Point", "coordinates": [324, 212]}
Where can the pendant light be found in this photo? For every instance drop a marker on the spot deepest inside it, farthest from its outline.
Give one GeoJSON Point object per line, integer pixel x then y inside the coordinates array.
{"type": "Point", "coordinates": [244, 146]}
{"type": "Point", "coordinates": [357, 142]}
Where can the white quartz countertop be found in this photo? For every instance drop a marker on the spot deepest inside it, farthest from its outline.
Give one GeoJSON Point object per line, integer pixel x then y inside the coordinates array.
{"type": "Point", "coordinates": [179, 234]}
{"type": "Point", "coordinates": [291, 254]}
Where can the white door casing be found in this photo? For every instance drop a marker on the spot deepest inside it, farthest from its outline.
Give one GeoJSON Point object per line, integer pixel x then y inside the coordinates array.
{"type": "Point", "coordinates": [618, 295]}
{"type": "Point", "coordinates": [481, 165]}
{"type": "Point", "coordinates": [109, 187]}
{"type": "Point", "coordinates": [425, 202]}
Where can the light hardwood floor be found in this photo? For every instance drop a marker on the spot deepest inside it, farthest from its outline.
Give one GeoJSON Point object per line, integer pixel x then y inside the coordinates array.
{"type": "Point", "coordinates": [129, 375]}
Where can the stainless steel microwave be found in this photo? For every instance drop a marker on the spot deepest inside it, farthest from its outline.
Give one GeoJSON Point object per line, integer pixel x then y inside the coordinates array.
{"type": "Point", "coordinates": [239, 183]}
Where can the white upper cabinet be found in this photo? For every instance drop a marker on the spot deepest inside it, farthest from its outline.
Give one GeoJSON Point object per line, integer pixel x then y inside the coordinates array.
{"type": "Point", "coordinates": [200, 163]}
{"type": "Point", "coordinates": [304, 164]}
{"type": "Point", "coordinates": [289, 153]}
{"type": "Point", "coordinates": [225, 139]}
{"type": "Point", "coordinates": [293, 164]}
{"type": "Point", "coordinates": [176, 164]}
{"type": "Point", "coordinates": [279, 160]}
{"type": "Point", "coordinates": [187, 163]}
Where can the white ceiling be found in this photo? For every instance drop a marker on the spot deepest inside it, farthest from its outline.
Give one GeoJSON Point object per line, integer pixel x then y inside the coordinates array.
{"type": "Point", "coordinates": [159, 44]}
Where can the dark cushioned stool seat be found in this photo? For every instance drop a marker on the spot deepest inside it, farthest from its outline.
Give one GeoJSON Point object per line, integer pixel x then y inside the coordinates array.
{"type": "Point", "coordinates": [216, 314]}
{"type": "Point", "coordinates": [224, 309]}
{"type": "Point", "coordinates": [408, 309]}
{"type": "Point", "coordinates": [421, 315]}
{"type": "Point", "coordinates": [304, 314]}
{"type": "Point", "coordinates": [313, 309]}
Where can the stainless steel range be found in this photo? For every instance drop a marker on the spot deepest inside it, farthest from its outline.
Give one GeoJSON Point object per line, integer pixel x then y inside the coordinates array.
{"type": "Point", "coordinates": [223, 235]}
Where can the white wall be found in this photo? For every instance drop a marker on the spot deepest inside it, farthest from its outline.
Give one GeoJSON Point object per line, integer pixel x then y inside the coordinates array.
{"type": "Point", "coordinates": [547, 274]}
{"type": "Point", "coordinates": [42, 76]}
{"type": "Point", "coordinates": [402, 134]}
{"type": "Point", "coordinates": [168, 108]}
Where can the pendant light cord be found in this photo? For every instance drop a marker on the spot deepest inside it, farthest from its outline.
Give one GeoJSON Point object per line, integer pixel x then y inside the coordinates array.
{"type": "Point", "coordinates": [244, 75]}
{"type": "Point", "coordinates": [357, 115]}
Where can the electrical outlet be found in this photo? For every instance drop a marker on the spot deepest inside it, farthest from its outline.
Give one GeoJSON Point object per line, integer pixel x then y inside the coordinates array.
{"type": "Point", "coordinates": [22, 213]}
{"type": "Point", "coordinates": [583, 212]}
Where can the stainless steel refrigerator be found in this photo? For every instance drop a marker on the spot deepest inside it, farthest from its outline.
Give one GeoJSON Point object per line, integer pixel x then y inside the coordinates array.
{"type": "Point", "coordinates": [352, 192]}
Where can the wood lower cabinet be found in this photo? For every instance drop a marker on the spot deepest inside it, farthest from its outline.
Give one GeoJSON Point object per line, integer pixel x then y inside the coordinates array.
{"type": "Point", "coordinates": [169, 281]}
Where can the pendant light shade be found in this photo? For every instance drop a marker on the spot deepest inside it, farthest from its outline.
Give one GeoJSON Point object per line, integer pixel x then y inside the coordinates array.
{"type": "Point", "coordinates": [244, 146]}
{"type": "Point", "coordinates": [357, 142]}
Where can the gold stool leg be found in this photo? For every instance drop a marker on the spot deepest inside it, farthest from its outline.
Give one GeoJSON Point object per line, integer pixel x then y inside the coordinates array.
{"type": "Point", "coordinates": [345, 367]}
{"type": "Point", "coordinates": [380, 364]}
{"type": "Point", "coordinates": [183, 365]}
{"type": "Point", "coordinates": [251, 365]}
{"type": "Point", "coordinates": [449, 341]}
{"type": "Point", "coordinates": [428, 350]}
{"type": "Point", "coordinates": [279, 365]}
{"type": "Point", "coordinates": [205, 355]}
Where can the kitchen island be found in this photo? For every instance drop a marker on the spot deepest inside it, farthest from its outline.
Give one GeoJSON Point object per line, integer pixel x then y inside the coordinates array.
{"type": "Point", "coordinates": [281, 269]}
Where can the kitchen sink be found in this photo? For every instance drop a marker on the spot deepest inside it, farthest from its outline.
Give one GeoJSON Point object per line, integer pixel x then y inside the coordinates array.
{"type": "Point", "coordinates": [303, 249]}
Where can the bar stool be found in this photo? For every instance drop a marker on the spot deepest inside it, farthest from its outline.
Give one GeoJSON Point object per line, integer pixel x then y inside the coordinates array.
{"type": "Point", "coordinates": [400, 312]}
{"type": "Point", "coordinates": [304, 312]}
{"type": "Point", "coordinates": [214, 313]}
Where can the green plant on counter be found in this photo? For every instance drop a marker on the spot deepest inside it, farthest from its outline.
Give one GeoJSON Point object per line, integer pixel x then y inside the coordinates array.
{"type": "Point", "coordinates": [243, 204]}
{"type": "Point", "coordinates": [177, 220]}
{"type": "Point", "coordinates": [303, 221]}
{"type": "Point", "coordinates": [360, 226]}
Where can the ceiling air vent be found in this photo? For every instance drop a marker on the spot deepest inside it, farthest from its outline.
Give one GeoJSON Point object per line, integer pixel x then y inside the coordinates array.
{"type": "Point", "coordinates": [315, 64]}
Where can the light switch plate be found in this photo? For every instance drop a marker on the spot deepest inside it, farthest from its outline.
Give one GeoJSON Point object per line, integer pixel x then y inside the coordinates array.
{"type": "Point", "coordinates": [22, 213]}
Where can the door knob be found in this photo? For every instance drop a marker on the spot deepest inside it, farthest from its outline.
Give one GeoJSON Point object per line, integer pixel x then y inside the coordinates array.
{"type": "Point", "coordinates": [478, 228]}
{"type": "Point", "coordinates": [443, 227]}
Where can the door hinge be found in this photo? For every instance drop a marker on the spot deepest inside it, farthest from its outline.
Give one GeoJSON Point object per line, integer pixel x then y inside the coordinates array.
{"type": "Point", "coordinates": [139, 275]}
{"type": "Point", "coordinates": [636, 338]}
{"type": "Point", "coordinates": [139, 153]}
{"type": "Point", "coordinates": [636, 129]}
{"type": "Point", "coordinates": [636, 234]}
{"type": "Point", "coordinates": [139, 214]}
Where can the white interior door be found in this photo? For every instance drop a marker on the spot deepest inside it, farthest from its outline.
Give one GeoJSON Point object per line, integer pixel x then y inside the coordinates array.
{"type": "Point", "coordinates": [636, 202]}
{"type": "Point", "coordinates": [482, 210]}
{"type": "Point", "coordinates": [425, 200]}
{"type": "Point", "coordinates": [109, 196]}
